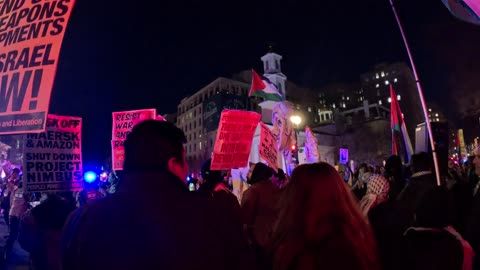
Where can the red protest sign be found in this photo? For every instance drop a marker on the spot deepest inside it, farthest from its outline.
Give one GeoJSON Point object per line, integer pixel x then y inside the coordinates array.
{"type": "Point", "coordinates": [123, 122]}
{"type": "Point", "coordinates": [268, 147]}
{"type": "Point", "coordinates": [234, 139]}
{"type": "Point", "coordinates": [31, 34]}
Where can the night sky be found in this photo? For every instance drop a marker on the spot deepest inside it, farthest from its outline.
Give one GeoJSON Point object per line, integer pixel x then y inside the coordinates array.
{"type": "Point", "coordinates": [121, 55]}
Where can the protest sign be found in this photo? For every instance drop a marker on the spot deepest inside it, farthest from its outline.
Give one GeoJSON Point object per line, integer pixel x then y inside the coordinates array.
{"type": "Point", "coordinates": [343, 156]}
{"type": "Point", "coordinates": [53, 159]}
{"type": "Point", "coordinates": [312, 155]}
{"type": "Point", "coordinates": [123, 122]}
{"type": "Point", "coordinates": [31, 34]}
{"type": "Point", "coordinates": [234, 139]}
{"type": "Point", "coordinates": [268, 147]}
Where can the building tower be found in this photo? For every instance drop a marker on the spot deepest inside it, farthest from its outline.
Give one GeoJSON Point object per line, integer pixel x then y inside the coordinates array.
{"type": "Point", "coordinates": [272, 70]}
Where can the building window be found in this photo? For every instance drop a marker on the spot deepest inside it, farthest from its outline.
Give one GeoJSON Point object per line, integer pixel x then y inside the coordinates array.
{"type": "Point", "coordinates": [309, 109]}
{"type": "Point", "coordinates": [429, 110]}
{"type": "Point", "coordinates": [438, 120]}
{"type": "Point", "coordinates": [383, 74]}
{"type": "Point", "coordinates": [380, 102]}
{"type": "Point", "coordinates": [327, 116]}
{"type": "Point", "coordinates": [387, 82]}
{"type": "Point", "coordinates": [200, 145]}
{"type": "Point", "coordinates": [377, 85]}
{"type": "Point", "coordinates": [399, 97]}
{"type": "Point", "coordinates": [194, 147]}
{"type": "Point", "coordinates": [436, 115]}
{"type": "Point", "coordinates": [376, 76]}
{"type": "Point", "coordinates": [194, 136]}
{"type": "Point", "coordinates": [395, 80]}
{"type": "Point", "coordinates": [343, 98]}
{"type": "Point", "coordinates": [322, 117]}
{"type": "Point", "coordinates": [348, 98]}
{"type": "Point", "coordinates": [389, 100]}
{"type": "Point", "coordinates": [333, 105]}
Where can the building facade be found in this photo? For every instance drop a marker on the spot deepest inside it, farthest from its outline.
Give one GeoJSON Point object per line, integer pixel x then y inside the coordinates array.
{"type": "Point", "coordinates": [196, 113]}
{"type": "Point", "coordinates": [374, 87]}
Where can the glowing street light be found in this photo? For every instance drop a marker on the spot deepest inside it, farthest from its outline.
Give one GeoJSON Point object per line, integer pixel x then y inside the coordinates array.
{"type": "Point", "coordinates": [295, 119]}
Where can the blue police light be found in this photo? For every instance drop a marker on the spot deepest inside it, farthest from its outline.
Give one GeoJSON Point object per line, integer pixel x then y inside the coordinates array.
{"type": "Point", "coordinates": [89, 177]}
{"type": "Point", "coordinates": [188, 178]}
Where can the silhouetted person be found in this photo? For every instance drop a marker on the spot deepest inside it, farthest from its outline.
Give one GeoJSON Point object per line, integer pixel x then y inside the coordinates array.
{"type": "Point", "coordinates": [214, 188]}
{"type": "Point", "coordinates": [432, 243]}
{"type": "Point", "coordinates": [41, 229]}
{"type": "Point", "coordinates": [421, 182]}
{"type": "Point", "coordinates": [153, 221]}
{"type": "Point", "coordinates": [260, 208]}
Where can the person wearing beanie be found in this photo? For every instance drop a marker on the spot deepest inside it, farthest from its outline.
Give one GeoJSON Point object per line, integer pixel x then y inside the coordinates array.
{"type": "Point", "coordinates": [153, 221]}
{"type": "Point", "coordinates": [214, 188]}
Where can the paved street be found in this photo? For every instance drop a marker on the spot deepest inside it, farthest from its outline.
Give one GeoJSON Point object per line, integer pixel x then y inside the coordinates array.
{"type": "Point", "coordinates": [19, 259]}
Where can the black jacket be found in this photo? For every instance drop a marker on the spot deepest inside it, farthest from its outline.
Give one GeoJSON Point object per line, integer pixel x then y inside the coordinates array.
{"type": "Point", "coordinates": [410, 197]}
{"type": "Point", "coordinates": [152, 222]}
{"type": "Point", "coordinates": [430, 250]}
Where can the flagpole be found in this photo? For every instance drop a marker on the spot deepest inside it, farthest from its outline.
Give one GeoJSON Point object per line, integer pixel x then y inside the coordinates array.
{"type": "Point", "coordinates": [420, 94]}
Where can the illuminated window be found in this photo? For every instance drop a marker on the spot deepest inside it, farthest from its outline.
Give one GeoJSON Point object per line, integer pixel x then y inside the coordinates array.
{"type": "Point", "coordinates": [377, 85]}
{"type": "Point", "coordinates": [399, 97]}
{"type": "Point", "coordinates": [436, 115]}
{"type": "Point", "coordinates": [389, 100]}
{"type": "Point", "coordinates": [200, 145]}
{"type": "Point", "coordinates": [387, 82]}
{"type": "Point", "coordinates": [348, 98]}
{"type": "Point", "coordinates": [343, 98]}
{"type": "Point", "coordinates": [333, 105]}
{"type": "Point", "coordinates": [309, 109]}
{"type": "Point", "coordinates": [379, 102]}
{"type": "Point", "coordinates": [383, 74]}
{"type": "Point", "coordinates": [376, 76]}
{"type": "Point", "coordinates": [395, 80]}
{"type": "Point", "coordinates": [429, 110]}
{"type": "Point", "coordinates": [438, 120]}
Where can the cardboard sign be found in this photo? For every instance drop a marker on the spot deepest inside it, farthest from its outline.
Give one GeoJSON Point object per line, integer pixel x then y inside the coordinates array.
{"type": "Point", "coordinates": [53, 159]}
{"type": "Point", "coordinates": [268, 147]}
{"type": "Point", "coordinates": [312, 155]}
{"type": "Point", "coordinates": [343, 156]}
{"type": "Point", "coordinates": [123, 122]}
{"type": "Point", "coordinates": [234, 139]}
{"type": "Point", "coordinates": [31, 34]}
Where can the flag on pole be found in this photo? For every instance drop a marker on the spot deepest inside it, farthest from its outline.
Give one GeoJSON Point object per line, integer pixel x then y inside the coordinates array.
{"type": "Point", "coordinates": [465, 10]}
{"type": "Point", "coordinates": [261, 87]}
{"type": "Point", "coordinates": [399, 129]}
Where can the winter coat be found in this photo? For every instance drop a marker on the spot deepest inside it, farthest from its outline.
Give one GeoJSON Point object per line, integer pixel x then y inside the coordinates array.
{"type": "Point", "coordinates": [40, 233]}
{"type": "Point", "coordinates": [260, 211]}
{"type": "Point", "coordinates": [430, 250]}
{"type": "Point", "coordinates": [152, 222]}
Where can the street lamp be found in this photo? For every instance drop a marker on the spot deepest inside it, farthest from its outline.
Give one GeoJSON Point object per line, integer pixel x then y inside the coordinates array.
{"type": "Point", "coordinates": [296, 119]}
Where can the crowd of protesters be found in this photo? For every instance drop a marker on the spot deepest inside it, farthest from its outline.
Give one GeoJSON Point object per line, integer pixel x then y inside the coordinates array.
{"type": "Point", "coordinates": [393, 217]}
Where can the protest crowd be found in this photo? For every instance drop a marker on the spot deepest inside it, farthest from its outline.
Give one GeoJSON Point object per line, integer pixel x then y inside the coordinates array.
{"type": "Point", "coordinates": [391, 217]}
{"type": "Point", "coordinates": [253, 206]}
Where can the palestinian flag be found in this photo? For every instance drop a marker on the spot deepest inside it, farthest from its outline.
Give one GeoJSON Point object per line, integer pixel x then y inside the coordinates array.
{"type": "Point", "coordinates": [465, 10]}
{"type": "Point", "coordinates": [399, 129]}
{"type": "Point", "coordinates": [262, 87]}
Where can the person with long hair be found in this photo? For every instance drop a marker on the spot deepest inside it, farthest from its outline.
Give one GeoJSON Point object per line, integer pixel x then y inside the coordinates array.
{"type": "Point", "coordinates": [320, 225]}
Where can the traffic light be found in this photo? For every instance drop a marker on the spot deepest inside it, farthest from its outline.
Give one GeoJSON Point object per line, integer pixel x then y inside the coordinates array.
{"type": "Point", "coordinates": [294, 150]}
